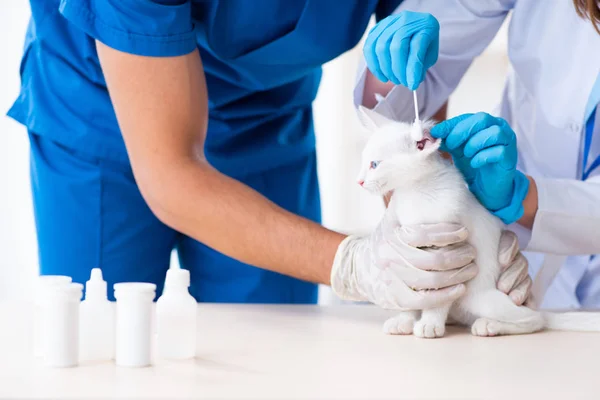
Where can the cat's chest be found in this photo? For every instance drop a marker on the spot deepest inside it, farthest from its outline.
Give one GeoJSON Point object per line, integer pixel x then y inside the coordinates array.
{"type": "Point", "coordinates": [426, 206]}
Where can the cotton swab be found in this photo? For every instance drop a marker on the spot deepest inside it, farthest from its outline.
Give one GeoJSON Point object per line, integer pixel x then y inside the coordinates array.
{"type": "Point", "coordinates": [417, 131]}
{"type": "Point", "coordinates": [416, 101]}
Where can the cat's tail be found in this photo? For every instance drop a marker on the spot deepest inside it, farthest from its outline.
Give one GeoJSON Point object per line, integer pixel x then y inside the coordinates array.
{"type": "Point", "coordinates": [572, 321]}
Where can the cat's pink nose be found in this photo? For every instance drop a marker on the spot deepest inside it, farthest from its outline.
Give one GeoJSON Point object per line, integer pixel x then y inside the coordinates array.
{"type": "Point", "coordinates": [361, 183]}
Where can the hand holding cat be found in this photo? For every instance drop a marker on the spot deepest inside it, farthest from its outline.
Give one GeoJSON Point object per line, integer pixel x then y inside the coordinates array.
{"type": "Point", "coordinates": [389, 269]}
{"type": "Point", "coordinates": [392, 269]}
{"type": "Point", "coordinates": [400, 48]}
{"type": "Point", "coordinates": [484, 149]}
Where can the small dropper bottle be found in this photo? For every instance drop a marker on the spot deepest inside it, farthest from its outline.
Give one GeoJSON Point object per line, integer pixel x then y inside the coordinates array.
{"type": "Point", "coordinates": [176, 317]}
{"type": "Point", "coordinates": [97, 321]}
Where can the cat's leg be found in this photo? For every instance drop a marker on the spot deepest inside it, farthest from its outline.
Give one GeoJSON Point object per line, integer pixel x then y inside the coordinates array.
{"type": "Point", "coordinates": [432, 323]}
{"type": "Point", "coordinates": [500, 316]}
{"type": "Point", "coordinates": [401, 324]}
{"type": "Point", "coordinates": [491, 327]}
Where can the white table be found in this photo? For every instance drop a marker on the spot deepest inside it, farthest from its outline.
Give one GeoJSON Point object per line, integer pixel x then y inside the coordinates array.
{"type": "Point", "coordinates": [311, 352]}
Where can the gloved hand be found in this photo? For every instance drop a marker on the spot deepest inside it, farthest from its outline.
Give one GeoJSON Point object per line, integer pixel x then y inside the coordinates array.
{"type": "Point", "coordinates": [514, 279]}
{"type": "Point", "coordinates": [484, 149]}
{"type": "Point", "coordinates": [388, 269]}
{"type": "Point", "coordinates": [400, 48]}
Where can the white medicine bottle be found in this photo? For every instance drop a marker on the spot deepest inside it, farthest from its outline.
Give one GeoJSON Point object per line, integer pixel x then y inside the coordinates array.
{"type": "Point", "coordinates": [176, 317]}
{"type": "Point", "coordinates": [97, 321]}
{"type": "Point", "coordinates": [45, 284]}
{"type": "Point", "coordinates": [60, 322]}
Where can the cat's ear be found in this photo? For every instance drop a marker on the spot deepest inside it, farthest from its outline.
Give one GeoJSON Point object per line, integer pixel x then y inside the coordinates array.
{"type": "Point", "coordinates": [370, 119]}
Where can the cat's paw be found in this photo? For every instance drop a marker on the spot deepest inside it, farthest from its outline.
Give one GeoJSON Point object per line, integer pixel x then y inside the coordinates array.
{"type": "Point", "coordinates": [485, 327]}
{"type": "Point", "coordinates": [399, 325]}
{"type": "Point", "coordinates": [429, 329]}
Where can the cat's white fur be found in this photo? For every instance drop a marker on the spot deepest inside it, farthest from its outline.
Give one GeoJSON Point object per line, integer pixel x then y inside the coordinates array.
{"type": "Point", "coordinates": [429, 189]}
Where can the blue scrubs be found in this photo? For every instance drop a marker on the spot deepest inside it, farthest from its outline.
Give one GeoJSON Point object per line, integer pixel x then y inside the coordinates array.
{"type": "Point", "coordinates": [262, 61]}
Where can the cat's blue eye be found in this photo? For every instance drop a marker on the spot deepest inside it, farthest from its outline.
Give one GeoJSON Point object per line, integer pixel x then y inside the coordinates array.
{"type": "Point", "coordinates": [374, 164]}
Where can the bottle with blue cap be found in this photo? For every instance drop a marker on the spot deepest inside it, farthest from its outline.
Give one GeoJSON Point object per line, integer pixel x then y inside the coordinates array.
{"type": "Point", "coordinates": [176, 317]}
{"type": "Point", "coordinates": [97, 321]}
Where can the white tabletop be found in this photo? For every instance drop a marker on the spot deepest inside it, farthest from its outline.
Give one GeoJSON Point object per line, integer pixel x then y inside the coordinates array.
{"type": "Point", "coordinates": [311, 352]}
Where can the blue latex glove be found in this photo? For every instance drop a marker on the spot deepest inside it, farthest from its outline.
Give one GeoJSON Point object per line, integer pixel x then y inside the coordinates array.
{"type": "Point", "coordinates": [484, 149]}
{"type": "Point", "coordinates": [400, 48]}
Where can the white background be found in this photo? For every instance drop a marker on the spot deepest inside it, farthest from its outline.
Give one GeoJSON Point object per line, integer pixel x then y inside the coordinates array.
{"type": "Point", "coordinates": [345, 206]}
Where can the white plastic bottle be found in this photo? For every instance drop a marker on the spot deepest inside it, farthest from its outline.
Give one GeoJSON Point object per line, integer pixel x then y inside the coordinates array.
{"type": "Point", "coordinates": [61, 325]}
{"type": "Point", "coordinates": [43, 283]}
{"type": "Point", "coordinates": [134, 323]}
{"type": "Point", "coordinates": [176, 317]}
{"type": "Point", "coordinates": [96, 321]}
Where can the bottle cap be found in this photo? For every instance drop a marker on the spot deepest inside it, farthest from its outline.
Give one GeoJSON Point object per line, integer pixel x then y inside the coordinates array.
{"type": "Point", "coordinates": [54, 280]}
{"type": "Point", "coordinates": [46, 282]}
{"type": "Point", "coordinates": [125, 290]}
{"type": "Point", "coordinates": [69, 292]}
{"type": "Point", "coordinates": [177, 277]}
{"type": "Point", "coordinates": [95, 288]}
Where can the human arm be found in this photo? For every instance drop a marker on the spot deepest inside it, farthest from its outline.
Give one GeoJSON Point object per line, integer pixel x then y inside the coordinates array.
{"type": "Point", "coordinates": [166, 152]}
{"type": "Point", "coordinates": [155, 79]}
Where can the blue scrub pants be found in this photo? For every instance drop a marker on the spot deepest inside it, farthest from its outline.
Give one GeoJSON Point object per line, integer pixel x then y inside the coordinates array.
{"type": "Point", "coordinates": [89, 213]}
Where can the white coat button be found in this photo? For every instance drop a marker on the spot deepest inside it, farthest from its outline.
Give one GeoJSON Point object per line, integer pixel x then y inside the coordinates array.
{"type": "Point", "coordinates": [575, 127]}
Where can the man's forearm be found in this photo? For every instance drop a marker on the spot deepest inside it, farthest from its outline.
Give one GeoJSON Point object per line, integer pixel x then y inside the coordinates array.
{"type": "Point", "coordinates": [237, 221]}
{"type": "Point", "coordinates": [164, 126]}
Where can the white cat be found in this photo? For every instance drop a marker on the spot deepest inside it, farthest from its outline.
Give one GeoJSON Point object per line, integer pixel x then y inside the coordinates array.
{"type": "Point", "coordinates": [429, 189]}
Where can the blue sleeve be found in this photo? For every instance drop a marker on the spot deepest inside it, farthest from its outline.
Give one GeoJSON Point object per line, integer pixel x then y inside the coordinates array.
{"type": "Point", "coordinates": [156, 28]}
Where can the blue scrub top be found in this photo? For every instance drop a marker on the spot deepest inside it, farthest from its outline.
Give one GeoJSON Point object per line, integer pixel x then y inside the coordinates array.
{"type": "Point", "coordinates": [262, 61]}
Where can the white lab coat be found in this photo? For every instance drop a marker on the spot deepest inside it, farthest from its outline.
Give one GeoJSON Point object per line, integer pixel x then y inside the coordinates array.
{"type": "Point", "coordinates": [555, 61]}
